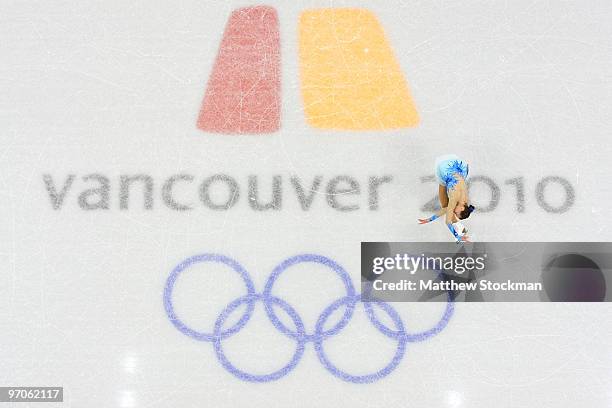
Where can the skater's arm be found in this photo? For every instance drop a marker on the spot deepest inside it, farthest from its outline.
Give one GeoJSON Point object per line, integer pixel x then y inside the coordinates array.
{"type": "Point", "coordinates": [434, 217]}
{"type": "Point", "coordinates": [443, 196]}
{"type": "Point", "coordinates": [450, 216]}
{"type": "Point", "coordinates": [452, 230]}
{"type": "Point", "coordinates": [448, 210]}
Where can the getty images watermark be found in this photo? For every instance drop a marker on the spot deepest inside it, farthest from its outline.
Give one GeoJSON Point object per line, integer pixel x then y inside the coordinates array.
{"type": "Point", "coordinates": [486, 272]}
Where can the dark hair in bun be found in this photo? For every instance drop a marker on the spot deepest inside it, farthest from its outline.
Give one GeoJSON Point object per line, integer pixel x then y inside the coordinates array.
{"type": "Point", "coordinates": [466, 212]}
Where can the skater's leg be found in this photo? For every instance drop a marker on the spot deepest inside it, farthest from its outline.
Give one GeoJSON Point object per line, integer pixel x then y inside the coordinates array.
{"type": "Point", "coordinates": [443, 196]}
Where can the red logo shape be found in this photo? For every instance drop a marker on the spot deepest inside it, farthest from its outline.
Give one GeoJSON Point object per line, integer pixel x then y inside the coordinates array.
{"type": "Point", "coordinates": [243, 91]}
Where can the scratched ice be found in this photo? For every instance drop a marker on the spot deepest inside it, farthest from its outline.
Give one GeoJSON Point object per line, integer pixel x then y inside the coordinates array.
{"type": "Point", "coordinates": [519, 90]}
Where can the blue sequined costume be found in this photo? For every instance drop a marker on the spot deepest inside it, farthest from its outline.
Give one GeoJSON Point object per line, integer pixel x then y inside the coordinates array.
{"type": "Point", "coordinates": [448, 165]}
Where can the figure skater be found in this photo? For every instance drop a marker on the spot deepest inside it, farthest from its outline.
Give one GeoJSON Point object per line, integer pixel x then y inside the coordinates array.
{"type": "Point", "coordinates": [451, 173]}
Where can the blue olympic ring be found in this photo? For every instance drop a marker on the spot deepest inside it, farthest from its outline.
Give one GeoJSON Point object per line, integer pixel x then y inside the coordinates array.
{"type": "Point", "coordinates": [349, 301]}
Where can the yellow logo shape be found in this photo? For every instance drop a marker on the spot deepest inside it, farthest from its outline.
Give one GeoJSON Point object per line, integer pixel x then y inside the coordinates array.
{"type": "Point", "coordinates": [349, 75]}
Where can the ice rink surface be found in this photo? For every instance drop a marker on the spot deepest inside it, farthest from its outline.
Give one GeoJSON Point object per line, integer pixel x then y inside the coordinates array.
{"type": "Point", "coordinates": [521, 90]}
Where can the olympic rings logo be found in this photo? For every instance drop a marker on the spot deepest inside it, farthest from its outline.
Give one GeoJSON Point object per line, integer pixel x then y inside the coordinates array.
{"type": "Point", "coordinates": [399, 334]}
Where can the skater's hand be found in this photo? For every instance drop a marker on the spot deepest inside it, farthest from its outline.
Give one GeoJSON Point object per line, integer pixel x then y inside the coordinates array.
{"type": "Point", "coordinates": [426, 220]}
{"type": "Point", "coordinates": [464, 238]}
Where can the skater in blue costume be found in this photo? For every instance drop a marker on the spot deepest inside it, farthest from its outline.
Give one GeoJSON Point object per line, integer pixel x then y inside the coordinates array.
{"type": "Point", "coordinates": [451, 173]}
